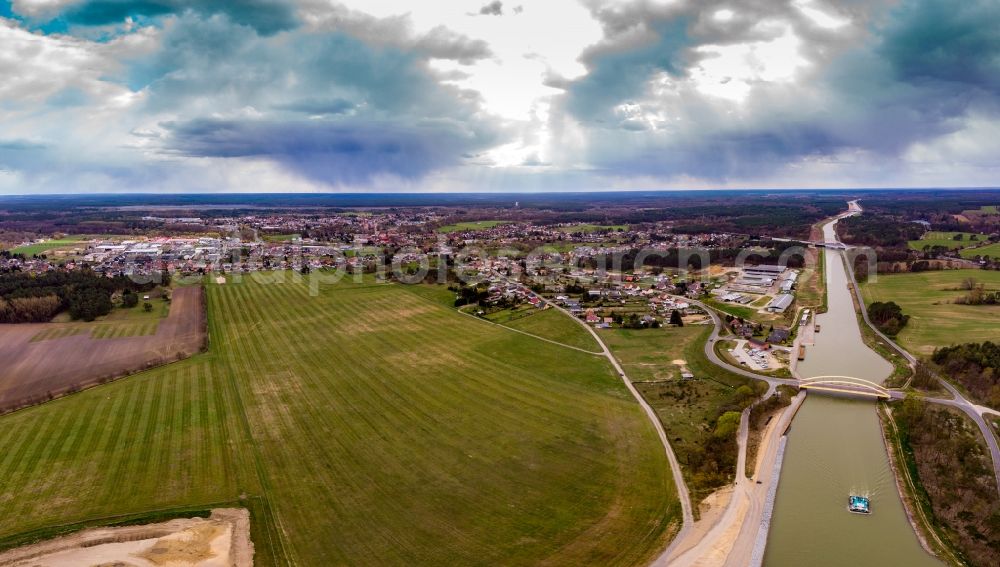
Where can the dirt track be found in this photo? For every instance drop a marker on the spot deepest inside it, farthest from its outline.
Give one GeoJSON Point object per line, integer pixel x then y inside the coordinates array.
{"type": "Point", "coordinates": [32, 372]}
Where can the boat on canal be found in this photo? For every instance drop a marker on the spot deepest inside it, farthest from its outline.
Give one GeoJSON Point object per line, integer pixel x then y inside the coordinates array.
{"type": "Point", "coordinates": [859, 504]}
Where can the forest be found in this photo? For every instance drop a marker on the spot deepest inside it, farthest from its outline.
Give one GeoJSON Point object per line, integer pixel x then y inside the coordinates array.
{"type": "Point", "coordinates": [86, 295]}
{"type": "Point", "coordinates": [942, 446]}
{"type": "Point", "coordinates": [976, 366]}
{"type": "Point", "coordinates": [879, 231]}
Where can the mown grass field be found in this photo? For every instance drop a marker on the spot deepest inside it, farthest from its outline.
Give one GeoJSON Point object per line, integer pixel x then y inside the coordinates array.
{"type": "Point", "coordinates": [43, 247]}
{"type": "Point", "coordinates": [548, 323]}
{"type": "Point", "coordinates": [991, 250]}
{"type": "Point", "coordinates": [557, 326]}
{"type": "Point", "coordinates": [471, 225]}
{"type": "Point", "coordinates": [945, 239]}
{"type": "Point", "coordinates": [935, 320]}
{"type": "Point", "coordinates": [369, 425]}
{"type": "Point", "coordinates": [654, 358]}
{"type": "Point", "coordinates": [121, 322]}
{"type": "Point", "coordinates": [984, 210]}
{"type": "Point", "coordinates": [279, 237]}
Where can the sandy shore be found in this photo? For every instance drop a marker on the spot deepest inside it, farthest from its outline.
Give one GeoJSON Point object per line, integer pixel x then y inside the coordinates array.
{"type": "Point", "coordinates": [727, 532]}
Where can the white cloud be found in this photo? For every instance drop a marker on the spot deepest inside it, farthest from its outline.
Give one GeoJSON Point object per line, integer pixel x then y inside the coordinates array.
{"type": "Point", "coordinates": [820, 15]}
{"type": "Point", "coordinates": [37, 8]}
{"type": "Point", "coordinates": [35, 66]}
{"type": "Point", "coordinates": [730, 71]}
{"type": "Point", "coordinates": [574, 94]}
{"type": "Point", "coordinates": [545, 38]}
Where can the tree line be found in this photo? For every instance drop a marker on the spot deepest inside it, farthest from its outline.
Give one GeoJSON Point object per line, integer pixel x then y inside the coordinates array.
{"type": "Point", "coordinates": [86, 295]}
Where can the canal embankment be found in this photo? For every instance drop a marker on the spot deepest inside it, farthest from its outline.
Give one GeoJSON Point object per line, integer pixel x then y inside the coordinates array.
{"type": "Point", "coordinates": [836, 450]}
{"type": "Point", "coordinates": [757, 556]}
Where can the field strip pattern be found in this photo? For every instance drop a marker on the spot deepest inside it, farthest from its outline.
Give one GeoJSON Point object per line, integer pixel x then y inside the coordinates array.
{"type": "Point", "coordinates": [57, 332]}
{"type": "Point", "coordinates": [363, 426]}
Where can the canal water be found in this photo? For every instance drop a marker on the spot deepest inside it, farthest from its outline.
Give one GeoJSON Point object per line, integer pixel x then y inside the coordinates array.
{"type": "Point", "coordinates": [835, 449]}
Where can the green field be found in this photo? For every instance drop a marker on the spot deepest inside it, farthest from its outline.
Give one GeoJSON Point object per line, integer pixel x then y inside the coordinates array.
{"type": "Point", "coordinates": [369, 425]}
{"type": "Point", "coordinates": [43, 247]}
{"type": "Point", "coordinates": [991, 250]}
{"type": "Point", "coordinates": [471, 225]}
{"type": "Point", "coordinates": [279, 237]}
{"type": "Point", "coordinates": [945, 239]}
{"type": "Point", "coordinates": [557, 326]}
{"type": "Point", "coordinates": [935, 321]}
{"type": "Point", "coordinates": [121, 322]}
{"type": "Point", "coordinates": [687, 408]}
{"type": "Point", "coordinates": [749, 313]}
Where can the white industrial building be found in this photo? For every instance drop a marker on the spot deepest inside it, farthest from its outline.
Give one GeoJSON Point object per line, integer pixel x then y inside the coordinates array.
{"type": "Point", "coordinates": [780, 303]}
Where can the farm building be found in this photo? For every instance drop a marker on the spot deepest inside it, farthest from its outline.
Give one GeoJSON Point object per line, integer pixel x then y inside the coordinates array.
{"type": "Point", "coordinates": [780, 303]}
{"type": "Point", "coordinates": [763, 271]}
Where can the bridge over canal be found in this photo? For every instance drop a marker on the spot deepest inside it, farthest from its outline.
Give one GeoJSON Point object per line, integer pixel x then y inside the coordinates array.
{"type": "Point", "coordinates": [848, 385]}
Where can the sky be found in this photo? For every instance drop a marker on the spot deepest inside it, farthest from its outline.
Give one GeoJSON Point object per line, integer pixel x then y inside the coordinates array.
{"type": "Point", "coordinates": [501, 95]}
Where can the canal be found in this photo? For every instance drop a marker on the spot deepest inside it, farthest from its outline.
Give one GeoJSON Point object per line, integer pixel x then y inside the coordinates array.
{"type": "Point", "coordinates": [835, 449]}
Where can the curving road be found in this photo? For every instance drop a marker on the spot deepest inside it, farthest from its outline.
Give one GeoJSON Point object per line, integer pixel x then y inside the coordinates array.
{"type": "Point", "coordinates": [959, 401]}
{"type": "Point", "coordinates": [745, 510]}
{"type": "Point", "coordinates": [731, 537]}
{"type": "Point", "coordinates": [675, 468]}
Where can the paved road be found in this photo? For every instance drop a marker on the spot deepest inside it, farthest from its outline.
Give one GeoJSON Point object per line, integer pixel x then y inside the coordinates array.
{"type": "Point", "coordinates": [746, 506]}
{"type": "Point", "coordinates": [682, 491]}
{"type": "Point", "coordinates": [959, 401]}
{"type": "Point", "coordinates": [747, 503]}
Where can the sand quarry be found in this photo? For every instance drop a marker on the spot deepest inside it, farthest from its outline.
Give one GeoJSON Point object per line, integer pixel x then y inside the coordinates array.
{"type": "Point", "coordinates": [221, 540]}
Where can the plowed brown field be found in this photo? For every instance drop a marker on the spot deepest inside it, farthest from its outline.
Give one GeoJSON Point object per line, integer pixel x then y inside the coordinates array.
{"type": "Point", "coordinates": [32, 371]}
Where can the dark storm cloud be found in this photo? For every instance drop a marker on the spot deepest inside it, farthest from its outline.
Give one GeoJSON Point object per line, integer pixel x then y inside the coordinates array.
{"type": "Point", "coordinates": [384, 110]}
{"type": "Point", "coordinates": [266, 16]}
{"type": "Point", "coordinates": [316, 106]}
{"type": "Point", "coordinates": [619, 72]}
{"type": "Point", "coordinates": [341, 101]}
{"type": "Point", "coordinates": [494, 8]}
{"type": "Point", "coordinates": [330, 152]}
{"type": "Point", "coordinates": [944, 41]}
{"type": "Point", "coordinates": [898, 75]}
{"type": "Point", "coordinates": [232, 66]}
{"type": "Point", "coordinates": [17, 154]}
